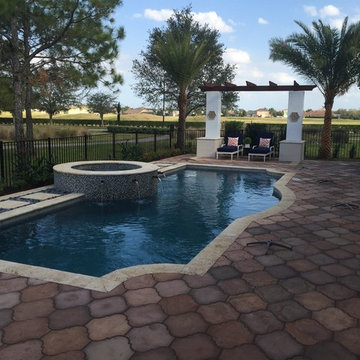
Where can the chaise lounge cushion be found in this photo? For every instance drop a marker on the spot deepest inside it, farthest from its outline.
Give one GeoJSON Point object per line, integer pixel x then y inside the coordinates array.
{"type": "Point", "coordinates": [227, 148]}
{"type": "Point", "coordinates": [260, 150]}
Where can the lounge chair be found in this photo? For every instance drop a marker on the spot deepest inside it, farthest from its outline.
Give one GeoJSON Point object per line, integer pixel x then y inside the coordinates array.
{"type": "Point", "coordinates": [233, 145]}
{"type": "Point", "coordinates": [264, 148]}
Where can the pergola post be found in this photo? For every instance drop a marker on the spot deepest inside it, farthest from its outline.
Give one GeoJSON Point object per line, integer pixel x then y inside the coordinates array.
{"type": "Point", "coordinates": [292, 149]}
{"type": "Point", "coordinates": [207, 146]}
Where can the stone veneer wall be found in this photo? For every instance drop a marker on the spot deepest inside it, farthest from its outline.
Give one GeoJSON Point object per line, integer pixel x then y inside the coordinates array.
{"type": "Point", "coordinates": [107, 180]}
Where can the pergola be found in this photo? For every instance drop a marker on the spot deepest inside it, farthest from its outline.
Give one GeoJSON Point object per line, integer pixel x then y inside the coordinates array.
{"type": "Point", "coordinates": [291, 149]}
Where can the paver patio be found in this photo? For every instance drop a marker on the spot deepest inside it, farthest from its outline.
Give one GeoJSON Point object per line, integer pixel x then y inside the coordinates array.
{"type": "Point", "coordinates": [299, 304]}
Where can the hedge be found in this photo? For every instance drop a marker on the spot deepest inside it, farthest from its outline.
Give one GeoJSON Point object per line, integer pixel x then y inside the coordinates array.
{"type": "Point", "coordinates": [90, 122]}
{"type": "Point", "coordinates": [138, 129]}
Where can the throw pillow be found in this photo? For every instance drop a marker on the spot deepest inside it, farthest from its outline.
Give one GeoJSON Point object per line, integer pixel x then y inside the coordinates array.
{"type": "Point", "coordinates": [233, 141]}
{"type": "Point", "coordinates": [264, 142]}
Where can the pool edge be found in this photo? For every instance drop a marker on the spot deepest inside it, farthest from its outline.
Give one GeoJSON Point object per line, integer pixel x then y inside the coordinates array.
{"type": "Point", "coordinates": [199, 265]}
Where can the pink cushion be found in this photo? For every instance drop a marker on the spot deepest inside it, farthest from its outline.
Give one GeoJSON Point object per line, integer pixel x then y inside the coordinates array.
{"type": "Point", "coordinates": [233, 141]}
{"type": "Point", "coordinates": [264, 142]}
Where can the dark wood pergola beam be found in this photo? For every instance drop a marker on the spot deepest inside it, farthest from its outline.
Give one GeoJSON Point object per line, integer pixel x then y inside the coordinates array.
{"type": "Point", "coordinates": [253, 87]}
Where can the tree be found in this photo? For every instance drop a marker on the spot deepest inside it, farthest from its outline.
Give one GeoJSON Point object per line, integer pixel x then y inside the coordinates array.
{"type": "Point", "coordinates": [328, 57]}
{"type": "Point", "coordinates": [101, 104]}
{"type": "Point", "coordinates": [5, 95]}
{"type": "Point", "coordinates": [179, 56]}
{"type": "Point", "coordinates": [54, 92]}
{"type": "Point", "coordinates": [150, 84]}
{"type": "Point", "coordinates": [34, 33]}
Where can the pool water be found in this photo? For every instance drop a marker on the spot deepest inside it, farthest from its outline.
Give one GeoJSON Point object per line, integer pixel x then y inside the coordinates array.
{"type": "Point", "coordinates": [191, 208]}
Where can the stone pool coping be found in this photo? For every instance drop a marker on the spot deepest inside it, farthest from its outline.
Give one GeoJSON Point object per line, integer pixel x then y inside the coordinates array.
{"type": "Point", "coordinates": [199, 265]}
{"type": "Point", "coordinates": [73, 168]}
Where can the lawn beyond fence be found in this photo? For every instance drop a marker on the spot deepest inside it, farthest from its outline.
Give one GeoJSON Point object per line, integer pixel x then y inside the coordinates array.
{"type": "Point", "coordinates": [119, 146]}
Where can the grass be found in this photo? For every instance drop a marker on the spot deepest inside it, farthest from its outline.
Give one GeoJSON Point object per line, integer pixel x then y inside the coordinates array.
{"type": "Point", "coordinates": [45, 131]}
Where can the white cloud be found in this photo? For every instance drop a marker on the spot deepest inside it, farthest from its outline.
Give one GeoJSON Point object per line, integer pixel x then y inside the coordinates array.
{"type": "Point", "coordinates": [281, 78]}
{"type": "Point", "coordinates": [236, 56]}
{"type": "Point", "coordinates": [213, 20]}
{"type": "Point", "coordinates": [137, 15]}
{"type": "Point", "coordinates": [262, 21]}
{"type": "Point", "coordinates": [210, 18]}
{"type": "Point", "coordinates": [329, 11]}
{"type": "Point", "coordinates": [337, 23]}
{"type": "Point", "coordinates": [310, 10]}
{"type": "Point", "coordinates": [158, 15]}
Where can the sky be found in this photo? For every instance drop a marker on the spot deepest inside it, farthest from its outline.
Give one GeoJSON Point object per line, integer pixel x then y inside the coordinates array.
{"type": "Point", "coordinates": [246, 27]}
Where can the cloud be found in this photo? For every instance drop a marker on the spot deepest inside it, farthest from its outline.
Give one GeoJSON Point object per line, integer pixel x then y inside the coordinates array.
{"type": "Point", "coordinates": [329, 11]}
{"type": "Point", "coordinates": [281, 78]}
{"type": "Point", "coordinates": [210, 18]}
{"type": "Point", "coordinates": [137, 15]}
{"type": "Point", "coordinates": [245, 69]}
{"type": "Point", "coordinates": [310, 10]}
{"type": "Point", "coordinates": [337, 23]}
{"type": "Point", "coordinates": [213, 20]}
{"type": "Point", "coordinates": [262, 21]}
{"type": "Point", "coordinates": [158, 15]}
{"type": "Point", "coordinates": [236, 56]}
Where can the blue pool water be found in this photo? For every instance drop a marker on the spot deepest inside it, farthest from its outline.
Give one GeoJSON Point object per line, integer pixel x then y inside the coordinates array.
{"type": "Point", "coordinates": [191, 208]}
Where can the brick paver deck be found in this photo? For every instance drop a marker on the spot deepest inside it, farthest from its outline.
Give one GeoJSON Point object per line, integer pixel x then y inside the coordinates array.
{"type": "Point", "coordinates": [300, 304]}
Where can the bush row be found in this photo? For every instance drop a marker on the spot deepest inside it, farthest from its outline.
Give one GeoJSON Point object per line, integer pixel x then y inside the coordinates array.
{"type": "Point", "coordinates": [94, 122]}
{"type": "Point", "coordinates": [138, 129]}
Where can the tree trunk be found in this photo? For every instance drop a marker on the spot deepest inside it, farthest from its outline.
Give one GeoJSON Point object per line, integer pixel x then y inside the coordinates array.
{"type": "Point", "coordinates": [102, 119]}
{"type": "Point", "coordinates": [27, 74]}
{"type": "Point", "coordinates": [51, 118]}
{"type": "Point", "coordinates": [182, 103]}
{"type": "Point", "coordinates": [325, 144]}
{"type": "Point", "coordinates": [16, 78]}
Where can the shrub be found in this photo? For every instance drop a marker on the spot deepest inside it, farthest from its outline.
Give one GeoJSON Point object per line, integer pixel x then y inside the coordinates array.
{"type": "Point", "coordinates": [352, 152]}
{"type": "Point", "coordinates": [32, 172]}
{"type": "Point", "coordinates": [160, 154]}
{"type": "Point", "coordinates": [234, 127]}
{"type": "Point", "coordinates": [130, 152]}
{"type": "Point", "coordinates": [336, 151]}
{"type": "Point", "coordinates": [137, 129]}
{"type": "Point", "coordinates": [340, 136]}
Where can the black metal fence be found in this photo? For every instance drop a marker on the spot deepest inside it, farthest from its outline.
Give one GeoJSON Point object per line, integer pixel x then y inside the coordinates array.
{"type": "Point", "coordinates": [346, 145]}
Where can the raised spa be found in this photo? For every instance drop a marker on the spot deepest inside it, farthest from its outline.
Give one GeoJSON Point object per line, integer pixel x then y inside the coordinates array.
{"type": "Point", "coordinates": [107, 180]}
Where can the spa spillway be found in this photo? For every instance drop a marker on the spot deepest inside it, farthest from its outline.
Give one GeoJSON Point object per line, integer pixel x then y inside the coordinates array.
{"type": "Point", "coordinates": [107, 180]}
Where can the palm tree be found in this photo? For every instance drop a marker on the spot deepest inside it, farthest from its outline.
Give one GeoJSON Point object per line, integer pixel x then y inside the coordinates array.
{"type": "Point", "coordinates": [327, 56]}
{"type": "Point", "coordinates": [182, 50]}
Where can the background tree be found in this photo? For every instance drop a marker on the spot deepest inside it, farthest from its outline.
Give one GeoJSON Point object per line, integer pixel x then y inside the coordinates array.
{"type": "Point", "coordinates": [150, 84]}
{"type": "Point", "coordinates": [182, 55]}
{"type": "Point", "coordinates": [101, 104]}
{"type": "Point", "coordinates": [34, 33]}
{"type": "Point", "coordinates": [6, 102]}
{"type": "Point", "coordinates": [54, 90]}
{"type": "Point", "coordinates": [328, 57]}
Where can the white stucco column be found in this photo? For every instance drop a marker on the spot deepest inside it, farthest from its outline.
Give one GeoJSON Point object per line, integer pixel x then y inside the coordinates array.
{"type": "Point", "coordinates": [206, 146]}
{"type": "Point", "coordinates": [292, 149]}
{"type": "Point", "coordinates": [213, 114]}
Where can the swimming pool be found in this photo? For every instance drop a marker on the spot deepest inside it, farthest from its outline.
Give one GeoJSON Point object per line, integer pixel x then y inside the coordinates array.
{"type": "Point", "coordinates": [191, 208]}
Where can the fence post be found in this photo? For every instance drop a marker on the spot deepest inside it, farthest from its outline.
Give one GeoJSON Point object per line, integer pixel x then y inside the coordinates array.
{"type": "Point", "coordinates": [85, 147]}
{"type": "Point", "coordinates": [2, 161]}
{"type": "Point", "coordinates": [154, 141]}
{"type": "Point", "coordinates": [136, 137]}
{"type": "Point", "coordinates": [49, 149]}
{"type": "Point", "coordinates": [113, 145]}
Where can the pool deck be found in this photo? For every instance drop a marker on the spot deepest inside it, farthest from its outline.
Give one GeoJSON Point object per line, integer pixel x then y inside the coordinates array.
{"type": "Point", "coordinates": [299, 304]}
